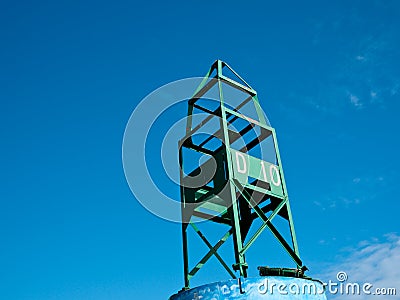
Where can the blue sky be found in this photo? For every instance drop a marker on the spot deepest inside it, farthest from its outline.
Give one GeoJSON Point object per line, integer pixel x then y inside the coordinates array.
{"type": "Point", "coordinates": [71, 72]}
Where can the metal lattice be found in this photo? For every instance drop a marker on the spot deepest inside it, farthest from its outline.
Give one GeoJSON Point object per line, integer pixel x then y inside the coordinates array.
{"type": "Point", "coordinates": [233, 187]}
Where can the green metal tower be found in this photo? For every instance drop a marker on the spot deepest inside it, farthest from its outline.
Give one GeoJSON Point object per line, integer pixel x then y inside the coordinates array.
{"type": "Point", "coordinates": [235, 185]}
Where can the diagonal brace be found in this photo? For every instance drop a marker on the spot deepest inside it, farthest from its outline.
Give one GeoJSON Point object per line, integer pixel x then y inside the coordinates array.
{"type": "Point", "coordinates": [212, 251]}
{"type": "Point", "coordinates": [259, 212]}
{"type": "Point", "coordinates": [206, 257]}
{"type": "Point", "coordinates": [267, 223]}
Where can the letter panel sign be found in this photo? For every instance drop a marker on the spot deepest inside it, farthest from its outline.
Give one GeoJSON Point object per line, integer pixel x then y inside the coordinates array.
{"type": "Point", "coordinates": [245, 166]}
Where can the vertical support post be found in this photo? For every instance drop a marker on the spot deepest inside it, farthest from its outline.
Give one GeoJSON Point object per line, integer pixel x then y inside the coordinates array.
{"type": "Point", "coordinates": [185, 256]}
{"type": "Point", "coordinates": [184, 223]}
{"type": "Point", "coordinates": [290, 218]}
{"type": "Point", "coordinates": [240, 264]}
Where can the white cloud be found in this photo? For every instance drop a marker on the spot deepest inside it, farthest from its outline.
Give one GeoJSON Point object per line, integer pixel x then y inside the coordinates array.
{"type": "Point", "coordinates": [360, 57]}
{"type": "Point", "coordinates": [355, 101]}
{"type": "Point", "coordinates": [319, 204]}
{"type": "Point", "coordinates": [395, 90]}
{"type": "Point", "coordinates": [357, 190]}
{"type": "Point", "coordinates": [373, 261]}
